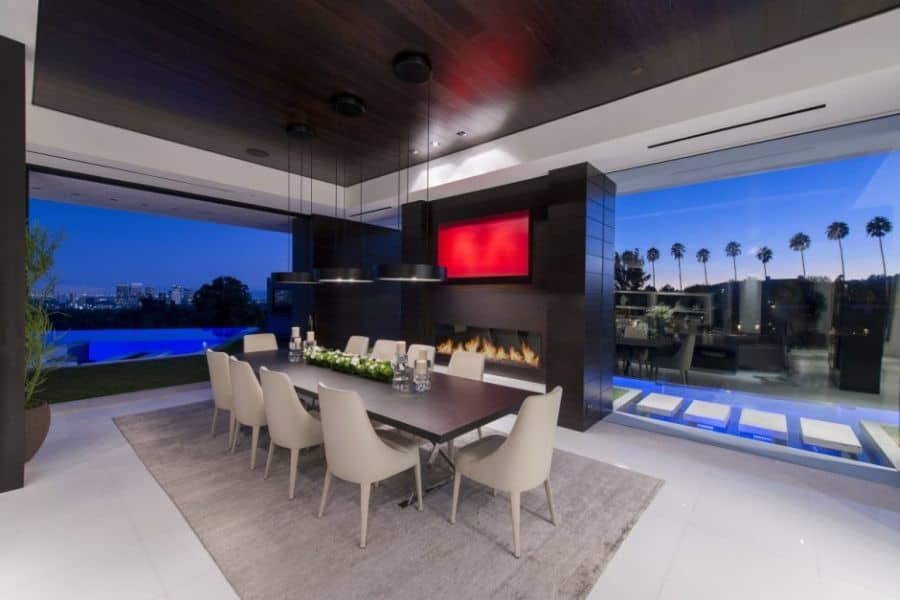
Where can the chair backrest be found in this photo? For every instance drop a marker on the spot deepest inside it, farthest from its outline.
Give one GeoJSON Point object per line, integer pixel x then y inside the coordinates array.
{"type": "Point", "coordinates": [352, 448]}
{"type": "Point", "coordinates": [260, 342]}
{"type": "Point", "coordinates": [466, 364]}
{"type": "Point", "coordinates": [220, 379]}
{"type": "Point", "coordinates": [357, 344]}
{"type": "Point", "coordinates": [685, 353]}
{"type": "Point", "coordinates": [528, 450]}
{"type": "Point", "coordinates": [412, 353]}
{"type": "Point", "coordinates": [290, 426]}
{"type": "Point", "coordinates": [247, 394]}
{"type": "Point", "coordinates": [386, 349]}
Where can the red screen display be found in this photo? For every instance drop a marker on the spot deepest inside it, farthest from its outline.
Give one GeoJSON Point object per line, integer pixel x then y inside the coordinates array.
{"type": "Point", "coordinates": [495, 246]}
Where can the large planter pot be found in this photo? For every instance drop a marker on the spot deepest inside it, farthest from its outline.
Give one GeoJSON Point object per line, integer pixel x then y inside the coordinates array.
{"type": "Point", "coordinates": [37, 425]}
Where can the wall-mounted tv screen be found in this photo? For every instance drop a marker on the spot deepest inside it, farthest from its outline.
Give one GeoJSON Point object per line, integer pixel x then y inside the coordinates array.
{"type": "Point", "coordinates": [486, 248]}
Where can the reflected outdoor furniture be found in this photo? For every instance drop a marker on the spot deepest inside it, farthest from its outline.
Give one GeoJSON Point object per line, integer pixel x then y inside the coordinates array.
{"type": "Point", "coordinates": [357, 344]}
{"type": "Point", "coordinates": [354, 452]}
{"type": "Point", "coordinates": [290, 425]}
{"type": "Point", "coordinates": [680, 361]}
{"type": "Point", "coordinates": [629, 347]}
{"type": "Point", "coordinates": [249, 409]}
{"type": "Point", "coordinates": [516, 463]}
{"type": "Point", "coordinates": [220, 381]}
{"type": "Point", "coordinates": [260, 342]}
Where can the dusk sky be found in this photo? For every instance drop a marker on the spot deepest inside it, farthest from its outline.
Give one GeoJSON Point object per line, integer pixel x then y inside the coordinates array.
{"type": "Point", "coordinates": [103, 247]}
{"type": "Point", "coordinates": [766, 210]}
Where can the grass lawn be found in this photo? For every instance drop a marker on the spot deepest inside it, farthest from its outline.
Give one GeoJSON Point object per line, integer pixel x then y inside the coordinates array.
{"type": "Point", "coordinates": [89, 381]}
{"type": "Point", "coordinates": [619, 392]}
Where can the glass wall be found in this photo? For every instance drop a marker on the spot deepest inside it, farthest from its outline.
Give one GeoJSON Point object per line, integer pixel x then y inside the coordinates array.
{"type": "Point", "coordinates": [143, 275]}
{"type": "Point", "coordinates": [764, 306]}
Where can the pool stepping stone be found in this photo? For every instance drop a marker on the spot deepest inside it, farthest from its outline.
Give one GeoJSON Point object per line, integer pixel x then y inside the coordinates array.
{"type": "Point", "coordinates": [760, 422]}
{"type": "Point", "coordinates": [660, 404]}
{"type": "Point", "coordinates": [825, 434]}
{"type": "Point", "coordinates": [708, 413]}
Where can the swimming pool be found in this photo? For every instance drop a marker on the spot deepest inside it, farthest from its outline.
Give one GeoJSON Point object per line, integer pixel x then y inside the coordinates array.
{"type": "Point", "coordinates": [793, 411]}
{"type": "Point", "coordinates": [79, 346]}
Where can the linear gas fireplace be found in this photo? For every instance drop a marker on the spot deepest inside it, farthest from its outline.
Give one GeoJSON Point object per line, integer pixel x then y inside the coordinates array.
{"type": "Point", "coordinates": [506, 351]}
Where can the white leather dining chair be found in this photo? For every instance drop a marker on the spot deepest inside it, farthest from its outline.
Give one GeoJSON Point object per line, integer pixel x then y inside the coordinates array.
{"type": "Point", "coordinates": [414, 350]}
{"type": "Point", "coordinates": [249, 409]}
{"type": "Point", "coordinates": [517, 463]}
{"type": "Point", "coordinates": [357, 344]}
{"type": "Point", "coordinates": [260, 342]}
{"type": "Point", "coordinates": [469, 365]}
{"type": "Point", "coordinates": [220, 381]}
{"type": "Point", "coordinates": [290, 426]}
{"type": "Point", "coordinates": [386, 349]}
{"type": "Point", "coordinates": [354, 452]}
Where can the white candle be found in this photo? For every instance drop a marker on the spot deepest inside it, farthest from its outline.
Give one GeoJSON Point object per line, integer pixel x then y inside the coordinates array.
{"type": "Point", "coordinates": [401, 348]}
{"type": "Point", "coordinates": [310, 336]}
{"type": "Point", "coordinates": [421, 367]}
{"type": "Point", "coordinates": [295, 332]}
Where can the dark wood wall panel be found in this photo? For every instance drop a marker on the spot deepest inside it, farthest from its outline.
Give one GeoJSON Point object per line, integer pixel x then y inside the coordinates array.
{"type": "Point", "coordinates": [342, 310]}
{"type": "Point", "coordinates": [13, 212]}
{"type": "Point", "coordinates": [566, 298]}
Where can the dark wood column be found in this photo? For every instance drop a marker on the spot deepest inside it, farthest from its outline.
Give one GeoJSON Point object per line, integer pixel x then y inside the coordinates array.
{"type": "Point", "coordinates": [569, 298]}
{"type": "Point", "coordinates": [12, 263]}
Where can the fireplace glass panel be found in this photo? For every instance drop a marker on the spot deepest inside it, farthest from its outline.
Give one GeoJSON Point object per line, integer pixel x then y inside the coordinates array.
{"type": "Point", "coordinates": [501, 346]}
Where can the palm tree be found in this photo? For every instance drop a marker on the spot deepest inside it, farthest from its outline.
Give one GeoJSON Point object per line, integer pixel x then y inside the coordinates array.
{"type": "Point", "coordinates": [879, 227]}
{"type": "Point", "coordinates": [764, 255]}
{"type": "Point", "coordinates": [838, 231]}
{"type": "Point", "coordinates": [733, 249]}
{"type": "Point", "coordinates": [800, 242]}
{"type": "Point", "coordinates": [703, 258]}
{"type": "Point", "coordinates": [678, 252]}
{"type": "Point", "coordinates": [653, 256]}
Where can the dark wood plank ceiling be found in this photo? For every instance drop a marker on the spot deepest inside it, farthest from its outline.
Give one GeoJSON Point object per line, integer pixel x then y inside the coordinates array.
{"type": "Point", "coordinates": [227, 75]}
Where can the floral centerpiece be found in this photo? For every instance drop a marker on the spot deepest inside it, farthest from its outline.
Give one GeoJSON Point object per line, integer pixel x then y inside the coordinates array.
{"type": "Point", "coordinates": [658, 318]}
{"type": "Point", "coordinates": [379, 370]}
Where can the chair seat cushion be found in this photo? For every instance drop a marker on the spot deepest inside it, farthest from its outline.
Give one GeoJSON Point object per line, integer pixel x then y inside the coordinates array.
{"type": "Point", "coordinates": [477, 450]}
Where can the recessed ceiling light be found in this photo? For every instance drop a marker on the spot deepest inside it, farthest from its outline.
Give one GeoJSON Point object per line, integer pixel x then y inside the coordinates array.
{"type": "Point", "coordinates": [435, 143]}
{"type": "Point", "coordinates": [144, 205]}
{"type": "Point", "coordinates": [461, 133]}
{"type": "Point", "coordinates": [302, 131]}
{"type": "Point", "coordinates": [637, 70]}
{"type": "Point", "coordinates": [413, 151]}
{"type": "Point", "coordinates": [35, 187]}
{"type": "Point", "coordinates": [75, 194]}
{"type": "Point", "coordinates": [113, 199]}
{"type": "Point", "coordinates": [257, 152]}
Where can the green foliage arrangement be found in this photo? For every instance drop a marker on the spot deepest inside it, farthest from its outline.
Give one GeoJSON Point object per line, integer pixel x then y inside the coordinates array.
{"type": "Point", "coordinates": [40, 248]}
{"type": "Point", "coordinates": [379, 370]}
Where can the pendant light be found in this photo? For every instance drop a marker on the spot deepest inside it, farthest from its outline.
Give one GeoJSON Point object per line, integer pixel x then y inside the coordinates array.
{"type": "Point", "coordinates": [291, 277]}
{"type": "Point", "coordinates": [413, 67]}
{"type": "Point", "coordinates": [343, 274]}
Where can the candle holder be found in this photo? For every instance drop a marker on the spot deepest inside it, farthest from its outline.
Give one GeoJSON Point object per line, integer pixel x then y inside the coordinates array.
{"type": "Point", "coordinates": [295, 350]}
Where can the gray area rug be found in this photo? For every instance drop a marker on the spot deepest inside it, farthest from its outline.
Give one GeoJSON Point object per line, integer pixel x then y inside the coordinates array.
{"type": "Point", "coordinates": [271, 547]}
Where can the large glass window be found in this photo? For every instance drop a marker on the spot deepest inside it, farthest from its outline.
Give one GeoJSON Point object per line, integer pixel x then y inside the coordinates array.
{"type": "Point", "coordinates": [765, 306]}
{"type": "Point", "coordinates": [144, 275]}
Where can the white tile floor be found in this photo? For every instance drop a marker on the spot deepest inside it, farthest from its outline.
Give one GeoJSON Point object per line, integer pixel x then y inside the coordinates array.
{"type": "Point", "coordinates": [92, 523]}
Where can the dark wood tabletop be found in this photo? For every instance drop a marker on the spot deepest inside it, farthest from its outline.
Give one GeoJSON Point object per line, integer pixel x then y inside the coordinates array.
{"type": "Point", "coordinates": [451, 408]}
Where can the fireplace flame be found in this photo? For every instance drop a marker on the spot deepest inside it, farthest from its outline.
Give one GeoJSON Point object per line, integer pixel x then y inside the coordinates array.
{"type": "Point", "coordinates": [523, 353]}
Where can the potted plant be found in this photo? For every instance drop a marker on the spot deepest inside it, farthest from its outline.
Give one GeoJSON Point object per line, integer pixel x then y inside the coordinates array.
{"type": "Point", "coordinates": [40, 248]}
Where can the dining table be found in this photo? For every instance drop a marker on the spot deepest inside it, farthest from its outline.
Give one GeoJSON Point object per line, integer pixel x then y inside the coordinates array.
{"type": "Point", "coordinates": [452, 407]}
{"type": "Point", "coordinates": [632, 345]}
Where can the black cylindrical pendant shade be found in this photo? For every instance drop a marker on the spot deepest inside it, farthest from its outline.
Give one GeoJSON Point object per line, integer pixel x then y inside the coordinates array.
{"type": "Point", "coordinates": [418, 273]}
{"type": "Point", "coordinates": [293, 278]}
{"type": "Point", "coordinates": [343, 275]}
